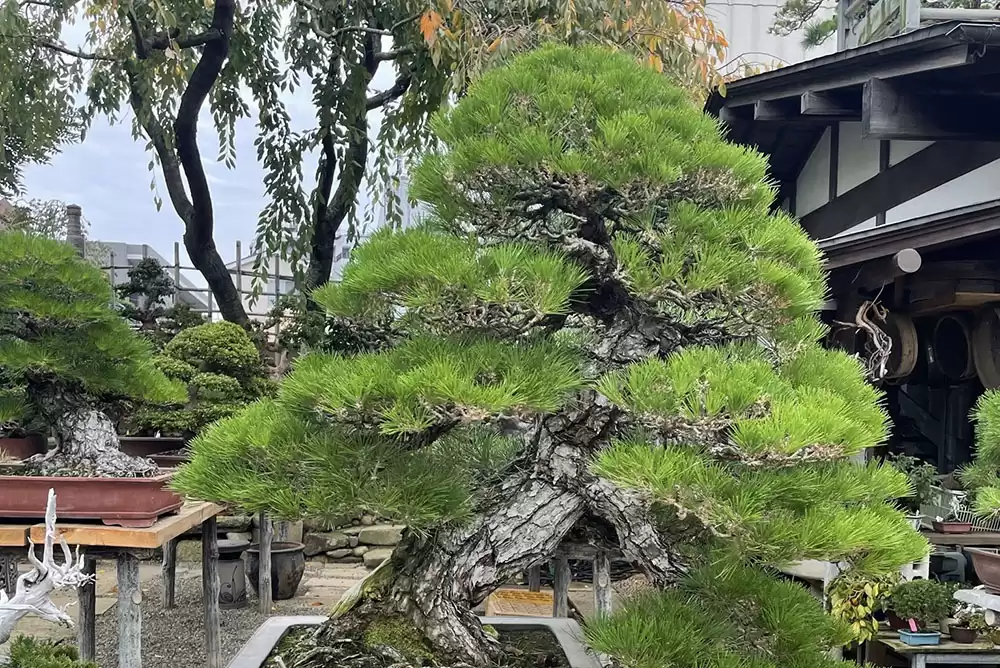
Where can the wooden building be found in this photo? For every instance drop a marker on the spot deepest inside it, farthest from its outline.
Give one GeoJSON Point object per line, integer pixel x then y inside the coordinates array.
{"type": "Point", "coordinates": [889, 154]}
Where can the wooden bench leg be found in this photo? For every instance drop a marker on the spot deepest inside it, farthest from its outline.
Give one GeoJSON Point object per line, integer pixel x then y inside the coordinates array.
{"type": "Point", "coordinates": [535, 578]}
{"type": "Point", "coordinates": [602, 585]}
{"type": "Point", "coordinates": [560, 586]}
{"type": "Point", "coordinates": [264, 576]}
{"type": "Point", "coordinates": [210, 584]}
{"type": "Point", "coordinates": [8, 573]}
{"type": "Point", "coordinates": [129, 612]}
{"type": "Point", "coordinates": [86, 631]}
{"type": "Point", "coordinates": [170, 574]}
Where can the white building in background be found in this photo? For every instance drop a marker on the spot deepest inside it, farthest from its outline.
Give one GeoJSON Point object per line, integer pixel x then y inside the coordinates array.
{"type": "Point", "coordinates": [119, 257]}
{"type": "Point", "coordinates": [746, 25]}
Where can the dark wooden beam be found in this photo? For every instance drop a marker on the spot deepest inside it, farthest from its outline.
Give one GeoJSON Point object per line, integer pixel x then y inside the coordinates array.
{"type": "Point", "coordinates": [925, 170]}
{"type": "Point", "coordinates": [839, 105]}
{"type": "Point", "coordinates": [789, 110]}
{"type": "Point", "coordinates": [892, 110]}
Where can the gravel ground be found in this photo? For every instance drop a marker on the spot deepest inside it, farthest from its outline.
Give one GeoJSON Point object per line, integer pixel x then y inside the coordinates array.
{"type": "Point", "coordinates": [176, 638]}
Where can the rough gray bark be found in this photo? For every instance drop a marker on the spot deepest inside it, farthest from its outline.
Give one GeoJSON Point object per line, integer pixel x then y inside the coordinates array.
{"type": "Point", "coordinates": [87, 445]}
{"type": "Point", "coordinates": [129, 612]}
{"type": "Point", "coordinates": [435, 583]}
{"type": "Point", "coordinates": [86, 634]}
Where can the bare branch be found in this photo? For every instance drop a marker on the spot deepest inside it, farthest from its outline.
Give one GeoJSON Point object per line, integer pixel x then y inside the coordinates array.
{"type": "Point", "coordinates": [392, 54]}
{"type": "Point", "coordinates": [76, 53]}
{"type": "Point", "coordinates": [162, 41]}
{"type": "Point", "coordinates": [380, 99]}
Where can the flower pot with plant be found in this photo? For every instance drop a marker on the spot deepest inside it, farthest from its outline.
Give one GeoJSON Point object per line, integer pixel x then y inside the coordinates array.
{"type": "Point", "coordinates": [74, 359]}
{"type": "Point", "coordinates": [922, 477]}
{"type": "Point", "coordinates": [921, 603]}
{"type": "Point", "coordinates": [970, 621]}
{"type": "Point", "coordinates": [855, 596]}
{"type": "Point", "coordinates": [951, 524]}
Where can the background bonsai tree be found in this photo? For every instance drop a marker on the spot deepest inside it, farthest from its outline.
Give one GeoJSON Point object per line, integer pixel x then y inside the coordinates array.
{"type": "Point", "coordinates": [62, 340]}
{"type": "Point", "coordinates": [146, 294]}
{"type": "Point", "coordinates": [223, 372]}
{"type": "Point", "coordinates": [982, 476]}
{"type": "Point", "coordinates": [605, 330]}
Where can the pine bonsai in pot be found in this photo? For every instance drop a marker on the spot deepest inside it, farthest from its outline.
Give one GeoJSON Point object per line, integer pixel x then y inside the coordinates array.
{"type": "Point", "coordinates": [604, 330]}
{"type": "Point", "coordinates": [63, 341]}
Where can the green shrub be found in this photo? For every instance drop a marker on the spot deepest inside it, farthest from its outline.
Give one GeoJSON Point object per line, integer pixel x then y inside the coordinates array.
{"type": "Point", "coordinates": [925, 601]}
{"type": "Point", "coordinates": [27, 652]}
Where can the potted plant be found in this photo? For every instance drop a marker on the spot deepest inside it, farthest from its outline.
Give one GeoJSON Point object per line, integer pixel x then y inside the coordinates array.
{"type": "Point", "coordinates": [920, 603]}
{"type": "Point", "coordinates": [970, 621]}
{"type": "Point", "coordinates": [77, 360]}
{"type": "Point", "coordinates": [922, 477]}
{"type": "Point", "coordinates": [223, 372]}
{"type": "Point", "coordinates": [951, 524]}
{"type": "Point", "coordinates": [855, 596]}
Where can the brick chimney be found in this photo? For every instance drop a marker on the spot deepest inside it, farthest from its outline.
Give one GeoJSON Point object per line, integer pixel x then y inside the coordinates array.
{"type": "Point", "coordinates": [74, 227]}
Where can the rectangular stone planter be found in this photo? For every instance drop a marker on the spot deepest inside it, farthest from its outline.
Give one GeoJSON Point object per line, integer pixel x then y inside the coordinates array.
{"type": "Point", "coordinates": [566, 631]}
{"type": "Point", "coordinates": [130, 502]}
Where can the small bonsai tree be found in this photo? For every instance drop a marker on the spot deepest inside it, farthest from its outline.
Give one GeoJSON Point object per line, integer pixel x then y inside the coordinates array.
{"type": "Point", "coordinates": [146, 293]}
{"type": "Point", "coordinates": [924, 601]}
{"type": "Point", "coordinates": [63, 342]}
{"type": "Point", "coordinates": [604, 330]}
{"type": "Point", "coordinates": [921, 477]}
{"type": "Point", "coordinates": [222, 370]}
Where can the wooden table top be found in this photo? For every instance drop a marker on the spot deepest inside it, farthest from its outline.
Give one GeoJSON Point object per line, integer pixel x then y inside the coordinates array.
{"type": "Point", "coordinates": [165, 529]}
{"type": "Point", "coordinates": [892, 641]}
{"type": "Point", "coordinates": [971, 539]}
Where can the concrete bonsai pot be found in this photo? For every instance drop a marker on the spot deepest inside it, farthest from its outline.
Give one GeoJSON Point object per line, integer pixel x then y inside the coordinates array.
{"type": "Point", "coordinates": [129, 502]}
{"type": "Point", "coordinates": [566, 631]}
{"type": "Point", "coordinates": [987, 565]}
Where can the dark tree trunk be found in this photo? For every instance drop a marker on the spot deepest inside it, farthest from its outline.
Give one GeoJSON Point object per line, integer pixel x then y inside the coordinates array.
{"type": "Point", "coordinates": [435, 583]}
{"type": "Point", "coordinates": [206, 259]}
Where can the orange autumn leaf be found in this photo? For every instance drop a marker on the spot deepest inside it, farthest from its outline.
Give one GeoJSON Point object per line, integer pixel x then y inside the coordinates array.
{"type": "Point", "coordinates": [493, 45]}
{"type": "Point", "coordinates": [429, 24]}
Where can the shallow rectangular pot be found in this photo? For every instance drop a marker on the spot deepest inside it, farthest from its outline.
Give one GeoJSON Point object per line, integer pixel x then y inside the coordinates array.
{"type": "Point", "coordinates": [928, 638]}
{"type": "Point", "coordinates": [129, 502]}
{"type": "Point", "coordinates": [146, 446]}
{"type": "Point", "coordinates": [952, 527]}
{"type": "Point", "coordinates": [566, 631]}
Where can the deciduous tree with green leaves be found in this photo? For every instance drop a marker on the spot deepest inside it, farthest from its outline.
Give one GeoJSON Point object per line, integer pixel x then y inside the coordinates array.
{"type": "Point", "coordinates": [64, 346]}
{"type": "Point", "coordinates": [164, 60]}
{"type": "Point", "coordinates": [603, 330]}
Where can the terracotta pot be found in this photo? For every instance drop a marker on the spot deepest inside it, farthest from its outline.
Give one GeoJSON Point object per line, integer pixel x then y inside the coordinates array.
{"type": "Point", "coordinates": [22, 448]}
{"type": "Point", "coordinates": [962, 635]}
{"type": "Point", "coordinates": [288, 563]}
{"type": "Point", "coordinates": [129, 502]}
{"type": "Point", "coordinates": [145, 446]}
{"type": "Point", "coordinates": [952, 527]}
{"type": "Point", "coordinates": [987, 565]}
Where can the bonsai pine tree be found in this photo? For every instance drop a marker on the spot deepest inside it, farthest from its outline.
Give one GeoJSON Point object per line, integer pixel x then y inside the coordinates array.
{"type": "Point", "coordinates": [146, 293]}
{"type": "Point", "coordinates": [223, 371]}
{"type": "Point", "coordinates": [604, 330]}
{"type": "Point", "coordinates": [69, 355]}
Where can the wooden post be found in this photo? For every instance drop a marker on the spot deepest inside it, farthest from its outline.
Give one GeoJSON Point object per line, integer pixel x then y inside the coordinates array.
{"type": "Point", "coordinates": [210, 584]}
{"type": "Point", "coordinates": [86, 631]}
{"type": "Point", "coordinates": [560, 588]}
{"type": "Point", "coordinates": [602, 584]}
{"type": "Point", "coordinates": [535, 578]}
{"type": "Point", "coordinates": [264, 577]}
{"type": "Point", "coordinates": [170, 574]}
{"type": "Point", "coordinates": [129, 612]}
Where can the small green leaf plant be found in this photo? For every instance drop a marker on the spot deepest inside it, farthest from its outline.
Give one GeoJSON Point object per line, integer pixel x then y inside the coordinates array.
{"type": "Point", "coordinates": [223, 372]}
{"type": "Point", "coordinates": [971, 617]}
{"type": "Point", "coordinates": [982, 476]}
{"type": "Point", "coordinates": [855, 597]}
{"type": "Point", "coordinates": [26, 652]}
{"type": "Point", "coordinates": [921, 476]}
{"type": "Point", "coordinates": [924, 601]}
{"type": "Point", "coordinates": [70, 357]}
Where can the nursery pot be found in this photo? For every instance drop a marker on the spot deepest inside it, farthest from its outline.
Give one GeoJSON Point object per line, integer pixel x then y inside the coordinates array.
{"type": "Point", "coordinates": [288, 563]}
{"type": "Point", "coordinates": [232, 574]}
{"type": "Point", "coordinates": [962, 635]}
{"type": "Point", "coordinates": [952, 527]}
{"type": "Point", "coordinates": [987, 565]}
{"type": "Point", "coordinates": [22, 448]}
{"type": "Point", "coordinates": [920, 638]}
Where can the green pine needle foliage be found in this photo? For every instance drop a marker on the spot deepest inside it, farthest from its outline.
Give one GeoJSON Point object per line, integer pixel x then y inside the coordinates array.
{"type": "Point", "coordinates": [60, 332]}
{"type": "Point", "coordinates": [704, 623]}
{"type": "Point", "coordinates": [223, 371]}
{"type": "Point", "coordinates": [982, 476]}
{"type": "Point", "coordinates": [26, 652]}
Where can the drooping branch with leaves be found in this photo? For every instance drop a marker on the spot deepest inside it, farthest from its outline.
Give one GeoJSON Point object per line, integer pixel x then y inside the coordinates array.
{"type": "Point", "coordinates": [602, 332]}
{"type": "Point", "coordinates": [163, 61]}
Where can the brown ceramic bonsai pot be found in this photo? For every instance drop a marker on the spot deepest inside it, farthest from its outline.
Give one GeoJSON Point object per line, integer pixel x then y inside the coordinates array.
{"type": "Point", "coordinates": [952, 527]}
{"type": "Point", "coordinates": [987, 565]}
{"type": "Point", "coordinates": [22, 448]}
{"type": "Point", "coordinates": [170, 461]}
{"type": "Point", "coordinates": [962, 635]}
{"type": "Point", "coordinates": [128, 502]}
{"type": "Point", "coordinates": [147, 446]}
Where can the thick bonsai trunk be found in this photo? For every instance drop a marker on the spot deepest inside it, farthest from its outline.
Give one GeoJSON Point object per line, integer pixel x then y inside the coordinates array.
{"type": "Point", "coordinates": [435, 583]}
{"type": "Point", "coordinates": [87, 445]}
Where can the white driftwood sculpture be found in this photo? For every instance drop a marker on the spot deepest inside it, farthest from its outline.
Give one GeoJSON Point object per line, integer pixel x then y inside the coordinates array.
{"type": "Point", "coordinates": [33, 590]}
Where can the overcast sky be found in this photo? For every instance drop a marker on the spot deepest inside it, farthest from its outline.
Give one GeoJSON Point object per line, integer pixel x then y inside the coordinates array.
{"type": "Point", "coordinates": [107, 175]}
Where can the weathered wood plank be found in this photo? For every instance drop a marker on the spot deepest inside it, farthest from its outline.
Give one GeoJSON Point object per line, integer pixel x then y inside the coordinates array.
{"type": "Point", "coordinates": [169, 572]}
{"type": "Point", "coordinates": [264, 578]}
{"type": "Point", "coordinates": [560, 588]}
{"type": "Point", "coordinates": [211, 586]}
{"type": "Point", "coordinates": [167, 528]}
{"type": "Point", "coordinates": [602, 585]}
{"type": "Point", "coordinates": [86, 630]}
{"type": "Point", "coordinates": [129, 612]}
{"type": "Point", "coordinates": [15, 535]}
{"type": "Point", "coordinates": [535, 578]}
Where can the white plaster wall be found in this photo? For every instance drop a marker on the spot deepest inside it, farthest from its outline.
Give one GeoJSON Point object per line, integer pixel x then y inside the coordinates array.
{"type": "Point", "coordinates": [812, 190]}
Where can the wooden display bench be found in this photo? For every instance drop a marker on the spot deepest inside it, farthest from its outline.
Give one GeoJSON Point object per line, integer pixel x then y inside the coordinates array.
{"type": "Point", "coordinates": [947, 653]}
{"type": "Point", "coordinates": [127, 546]}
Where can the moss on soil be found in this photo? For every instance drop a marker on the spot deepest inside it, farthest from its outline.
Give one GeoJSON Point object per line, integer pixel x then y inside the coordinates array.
{"type": "Point", "coordinates": [399, 635]}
